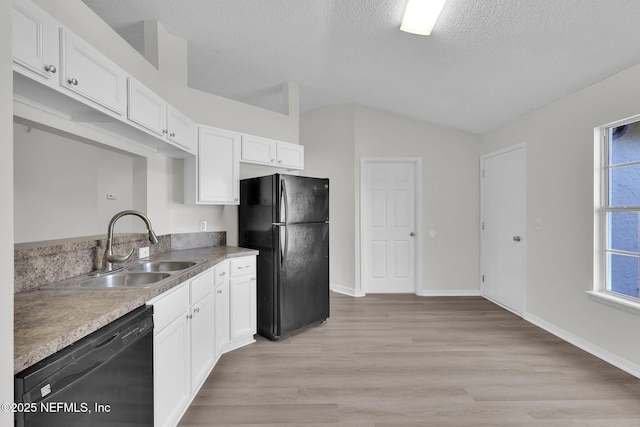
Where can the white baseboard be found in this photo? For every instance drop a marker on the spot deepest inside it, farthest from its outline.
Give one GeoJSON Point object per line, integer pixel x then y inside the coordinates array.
{"type": "Point", "coordinates": [590, 348]}
{"type": "Point", "coordinates": [424, 293]}
{"type": "Point", "coordinates": [449, 293]}
{"type": "Point", "coordinates": [346, 291]}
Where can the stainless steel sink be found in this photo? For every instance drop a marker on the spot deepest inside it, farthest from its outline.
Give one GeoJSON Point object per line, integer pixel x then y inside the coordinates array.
{"type": "Point", "coordinates": [123, 280]}
{"type": "Point", "coordinates": [140, 274]}
{"type": "Point", "coordinates": [162, 266]}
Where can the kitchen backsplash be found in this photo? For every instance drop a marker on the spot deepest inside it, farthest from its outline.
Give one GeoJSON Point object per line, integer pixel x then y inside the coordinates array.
{"type": "Point", "coordinates": [39, 263]}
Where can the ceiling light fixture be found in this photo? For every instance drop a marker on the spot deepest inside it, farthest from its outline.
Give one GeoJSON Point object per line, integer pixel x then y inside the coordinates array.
{"type": "Point", "coordinates": [421, 15]}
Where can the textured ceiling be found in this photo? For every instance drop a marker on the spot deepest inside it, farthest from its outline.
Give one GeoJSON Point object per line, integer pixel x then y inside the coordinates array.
{"type": "Point", "coordinates": [486, 62]}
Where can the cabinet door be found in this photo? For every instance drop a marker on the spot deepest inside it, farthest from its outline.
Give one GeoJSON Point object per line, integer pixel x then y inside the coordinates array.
{"type": "Point", "coordinates": [146, 108]}
{"type": "Point", "coordinates": [258, 150]}
{"type": "Point", "coordinates": [35, 42]}
{"type": "Point", "coordinates": [290, 155]}
{"type": "Point", "coordinates": [181, 129]}
{"type": "Point", "coordinates": [202, 341]}
{"type": "Point", "coordinates": [242, 307]}
{"type": "Point", "coordinates": [221, 300]}
{"type": "Point", "coordinates": [90, 74]}
{"type": "Point", "coordinates": [218, 166]}
{"type": "Point", "coordinates": [171, 372]}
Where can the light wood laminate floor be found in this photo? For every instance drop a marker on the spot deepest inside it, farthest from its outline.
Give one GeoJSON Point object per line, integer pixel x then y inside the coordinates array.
{"type": "Point", "coordinates": [403, 360]}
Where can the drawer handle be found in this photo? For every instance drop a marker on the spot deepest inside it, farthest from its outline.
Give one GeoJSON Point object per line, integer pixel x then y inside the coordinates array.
{"type": "Point", "coordinates": [224, 273]}
{"type": "Point", "coordinates": [219, 292]}
{"type": "Point", "coordinates": [242, 268]}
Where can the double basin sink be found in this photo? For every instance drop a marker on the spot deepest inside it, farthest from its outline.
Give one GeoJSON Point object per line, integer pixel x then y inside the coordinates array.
{"type": "Point", "coordinates": [142, 274]}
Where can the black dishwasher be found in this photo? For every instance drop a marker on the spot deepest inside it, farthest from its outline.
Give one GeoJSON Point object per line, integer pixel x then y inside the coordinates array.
{"type": "Point", "coordinates": [104, 379]}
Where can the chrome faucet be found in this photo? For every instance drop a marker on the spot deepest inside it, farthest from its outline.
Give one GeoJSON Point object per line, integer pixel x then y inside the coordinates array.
{"type": "Point", "coordinates": [109, 257]}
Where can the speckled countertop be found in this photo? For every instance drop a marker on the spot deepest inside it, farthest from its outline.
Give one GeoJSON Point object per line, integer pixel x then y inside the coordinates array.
{"type": "Point", "coordinates": [48, 320]}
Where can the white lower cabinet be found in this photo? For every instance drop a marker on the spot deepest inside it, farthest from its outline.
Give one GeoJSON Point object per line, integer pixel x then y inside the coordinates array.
{"type": "Point", "coordinates": [242, 301]}
{"type": "Point", "coordinates": [172, 388]}
{"type": "Point", "coordinates": [202, 329]}
{"type": "Point", "coordinates": [221, 298]}
{"type": "Point", "coordinates": [194, 323]}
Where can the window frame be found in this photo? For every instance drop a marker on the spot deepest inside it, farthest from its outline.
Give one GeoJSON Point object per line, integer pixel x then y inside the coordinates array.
{"type": "Point", "coordinates": [600, 292]}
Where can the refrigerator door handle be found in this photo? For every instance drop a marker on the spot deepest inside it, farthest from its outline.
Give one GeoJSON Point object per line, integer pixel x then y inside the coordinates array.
{"type": "Point", "coordinates": [283, 243]}
{"type": "Point", "coordinates": [283, 202]}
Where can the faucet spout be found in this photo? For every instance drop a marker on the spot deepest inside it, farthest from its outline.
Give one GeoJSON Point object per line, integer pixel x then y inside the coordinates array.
{"type": "Point", "coordinates": [109, 257]}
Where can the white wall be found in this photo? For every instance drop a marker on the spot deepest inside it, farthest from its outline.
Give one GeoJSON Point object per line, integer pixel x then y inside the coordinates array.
{"type": "Point", "coordinates": [450, 194]}
{"type": "Point", "coordinates": [61, 187]}
{"type": "Point", "coordinates": [6, 215]}
{"type": "Point", "coordinates": [328, 138]}
{"type": "Point", "coordinates": [335, 138]}
{"type": "Point", "coordinates": [560, 171]}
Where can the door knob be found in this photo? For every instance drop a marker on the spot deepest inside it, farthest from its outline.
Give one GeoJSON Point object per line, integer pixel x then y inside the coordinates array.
{"type": "Point", "coordinates": [516, 238]}
{"type": "Point", "coordinates": [412, 234]}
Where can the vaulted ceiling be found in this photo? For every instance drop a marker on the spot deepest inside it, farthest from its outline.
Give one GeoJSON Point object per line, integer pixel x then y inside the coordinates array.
{"type": "Point", "coordinates": [486, 62]}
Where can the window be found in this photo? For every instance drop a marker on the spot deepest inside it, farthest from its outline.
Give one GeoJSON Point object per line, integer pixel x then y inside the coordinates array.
{"type": "Point", "coordinates": [620, 211]}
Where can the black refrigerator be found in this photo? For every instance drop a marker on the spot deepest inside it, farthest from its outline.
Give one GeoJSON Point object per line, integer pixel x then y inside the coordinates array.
{"type": "Point", "coordinates": [286, 218]}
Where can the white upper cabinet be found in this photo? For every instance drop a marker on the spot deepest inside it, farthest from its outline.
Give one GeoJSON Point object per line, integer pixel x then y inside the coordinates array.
{"type": "Point", "coordinates": [146, 108]}
{"type": "Point", "coordinates": [181, 129]}
{"type": "Point", "coordinates": [213, 176]}
{"type": "Point", "coordinates": [290, 155]}
{"type": "Point", "coordinates": [35, 43]}
{"type": "Point", "coordinates": [258, 150]}
{"type": "Point", "coordinates": [87, 72]}
{"type": "Point", "coordinates": [149, 110]}
{"type": "Point", "coordinates": [265, 151]}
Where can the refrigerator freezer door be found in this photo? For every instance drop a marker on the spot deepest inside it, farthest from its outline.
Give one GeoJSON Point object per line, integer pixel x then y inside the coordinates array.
{"type": "Point", "coordinates": [303, 282]}
{"type": "Point", "coordinates": [302, 199]}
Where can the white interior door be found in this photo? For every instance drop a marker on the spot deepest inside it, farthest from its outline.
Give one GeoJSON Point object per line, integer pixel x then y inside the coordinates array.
{"type": "Point", "coordinates": [389, 226]}
{"type": "Point", "coordinates": [502, 226]}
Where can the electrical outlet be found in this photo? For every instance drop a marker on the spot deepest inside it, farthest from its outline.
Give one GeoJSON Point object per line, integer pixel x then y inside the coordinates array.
{"type": "Point", "coordinates": [143, 252]}
{"type": "Point", "coordinates": [203, 225]}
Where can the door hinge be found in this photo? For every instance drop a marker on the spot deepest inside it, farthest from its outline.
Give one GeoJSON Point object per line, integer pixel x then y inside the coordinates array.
{"type": "Point", "coordinates": [483, 173]}
{"type": "Point", "coordinates": [483, 278]}
{"type": "Point", "coordinates": [483, 226]}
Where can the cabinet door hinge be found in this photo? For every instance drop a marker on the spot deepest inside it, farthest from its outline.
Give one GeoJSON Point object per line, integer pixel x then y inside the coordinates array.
{"type": "Point", "coordinates": [483, 226]}
{"type": "Point", "coordinates": [483, 278]}
{"type": "Point", "coordinates": [483, 173]}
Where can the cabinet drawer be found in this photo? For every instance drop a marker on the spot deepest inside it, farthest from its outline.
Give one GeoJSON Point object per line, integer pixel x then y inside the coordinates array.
{"type": "Point", "coordinates": [221, 272]}
{"type": "Point", "coordinates": [201, 286]}
{"type": "Point", "coordinates": [170, 307]}
{"type": "Point", "coordinates": [242, 266]}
